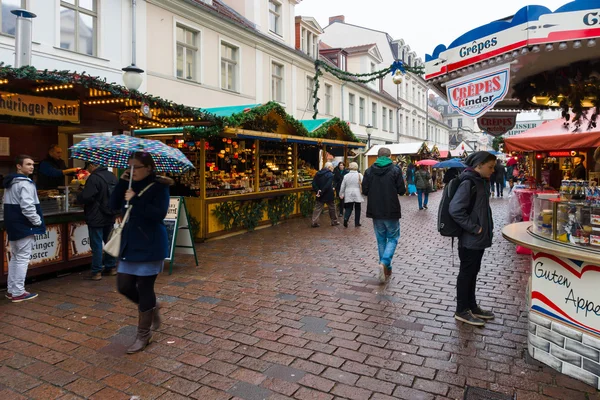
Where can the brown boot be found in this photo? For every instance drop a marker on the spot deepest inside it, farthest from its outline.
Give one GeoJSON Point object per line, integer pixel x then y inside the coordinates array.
{"type": "Point", "coordinates": [144, 335]}
{"type": "Point", "coordinates": [156, 320]}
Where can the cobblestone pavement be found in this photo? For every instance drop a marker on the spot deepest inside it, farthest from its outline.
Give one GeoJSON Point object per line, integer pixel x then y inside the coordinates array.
{"type": "Point", "coordinates": [287, 312]}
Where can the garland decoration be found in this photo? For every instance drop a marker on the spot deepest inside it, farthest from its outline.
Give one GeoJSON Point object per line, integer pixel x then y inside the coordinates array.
{"type": "Point", "coordinates": [575, 89]}
{"type": "Point", "coordinates": [307, 203]}
{"type": "Point", "coordinates": [234, 214]}
{"type": "Point", "coordinates": [328, 131]}
{"type": "Point", "coordinates": [280, 207]}
{"type": "Point", "coordinates": [357, 78]}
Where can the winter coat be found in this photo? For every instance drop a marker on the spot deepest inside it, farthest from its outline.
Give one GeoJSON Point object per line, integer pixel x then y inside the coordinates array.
{"type": "Point", "coordinates": [50, 174]}
{"type": "Point", "coordinates": [579, 172]}
{"type": "Point", "coordinates": [451, 174]}
{"type": "Point", "coordinates": [144, 236]}
{"type": "Point", "coordinates": [95, 198]}
{"type": "Point", "coordinates": [382, 185]}
{"type": "Point", "coordinates": [323, 181]}
{"type": "Point", "coordinates": [480, 216]}
{"type": "Point", "coordinates": [500, 172]}
{"type": "Point", "coordinates": [422, 178]}
{"type": "Point", "coordinates": [338, 177]}
{"type": "Point", "coordinates": [351, 188]}
{"type": "Point", "coordinates": [22, 211]}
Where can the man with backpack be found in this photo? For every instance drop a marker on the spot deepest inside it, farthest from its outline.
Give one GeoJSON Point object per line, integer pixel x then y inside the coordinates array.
{"type": "Point", "coordinates": [99, 217]}
{"type": "Point", "coordinates": [465, 213]}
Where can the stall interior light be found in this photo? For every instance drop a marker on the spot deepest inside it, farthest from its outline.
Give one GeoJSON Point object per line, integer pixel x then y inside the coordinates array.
{"type": "Point", "coordinates": [591, 43]}
{"type": "Point", "coordinates": [549, 47]}
{"type": "Point", "coordinates": [3, 81]}
{"type": "Point", "coordinates": [562, 46]}
{"type": "Point", "coordinates": [588, 102]}
{"type": "Point", "coordinates": [55, 87]}
{"type": "Point", "coordinates": [577, 44]}
{"type": "Point", "coordinates": [106, 101]}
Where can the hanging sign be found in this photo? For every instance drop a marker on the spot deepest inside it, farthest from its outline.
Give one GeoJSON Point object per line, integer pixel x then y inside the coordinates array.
{"type": "Point", "coordinates": [47, 248]}
{"type": "Point", "coordinates": [178, 231]}
{"type": "Point", "coordinates": [46, 108]}
{"type": "Point", "coordinates": [473, 95]}
{"type": "Point", "coordinates": [79, 240]}
{"type": "Point", "coordinates": [497, 124]}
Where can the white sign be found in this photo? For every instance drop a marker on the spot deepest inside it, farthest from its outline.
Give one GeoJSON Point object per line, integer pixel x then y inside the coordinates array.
{"type": "Point", "coordinates": [473, 95]}
{"type": "Point", "coordinates": [566, 290]}
{"type": "Point", "coordinates": [497, 124]}
{"type": "Point", "coordinates": [523, 126]}
{"type": "Point", "coordinates": [79, 240]}
{"type": "Point", "coordinates": [47, 248]}
{"type": "Point", "coordinates": [173, 208]}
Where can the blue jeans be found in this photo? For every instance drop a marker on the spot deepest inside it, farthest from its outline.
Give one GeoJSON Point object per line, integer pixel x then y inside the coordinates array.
{"type": "Point", "coordinates": [420, 193]}
{"type": "Point", "coordinates": [387, 232]}
{"type": "Point", "coordinates": [97, 237]}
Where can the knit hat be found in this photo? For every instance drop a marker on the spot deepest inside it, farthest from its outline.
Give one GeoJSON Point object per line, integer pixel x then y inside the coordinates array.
{"type": "Point", "coordinates": [479, 157]}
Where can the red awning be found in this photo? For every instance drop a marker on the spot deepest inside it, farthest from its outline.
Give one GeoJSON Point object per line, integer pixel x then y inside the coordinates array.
{"type": "Point", "coordinates": [554, 136]}
{"type": "Point", "coordinates": [444, 153]}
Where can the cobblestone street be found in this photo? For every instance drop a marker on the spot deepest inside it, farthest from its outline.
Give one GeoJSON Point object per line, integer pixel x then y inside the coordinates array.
{"type": "Point", "coordinates": [287, 312]}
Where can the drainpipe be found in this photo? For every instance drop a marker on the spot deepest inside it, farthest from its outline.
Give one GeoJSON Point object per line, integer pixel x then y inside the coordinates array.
{"type": "Point", "coordinates": [23, 37]}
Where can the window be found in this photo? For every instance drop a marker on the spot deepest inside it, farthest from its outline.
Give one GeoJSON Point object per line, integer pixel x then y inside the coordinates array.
{"type": "Point", "coordinates": [277, 82]}
{"type": "Point", "coordinates": [308, 42]}
{"type": "Point", "coordinates": [460, 122]}
{"type": "Point", "coordinates": [384, 119]}
{"type": "Point", "coordinates": [187, 53]}
{"type": "Point", "coordinates": [343, 62]}
{"type": "Point", "coordinates": [351, 108]}
{"type": "Point", "coordinates": [414, 127]}
{"type": "Point", "coordinates": [374, 114]}
{"type": "Point", "coordinates": [310, 87]}
{"type": "Point", "coordinates": [328, 91]}
{"type": "Point", "coordinates": [414, 97]}
{"type": "Point", "coordinates": [229, 66]}
{"type": "Point", "coordinates": [391, 121]}
{"type": "Point", "coordinates": [78, 25]}
{"type": "Point", "coordinates": [7, 20]}
{"type": "Point", "coordinates": [361, 111]}
{"type": "Point", "coordinates": [275, 17]}
{"type": "Point", "coordinates": [419, 128]}
{"type": "Point", "coordinates": [407, 127]}
{"type": "Point", "coordinates": [450, 123]}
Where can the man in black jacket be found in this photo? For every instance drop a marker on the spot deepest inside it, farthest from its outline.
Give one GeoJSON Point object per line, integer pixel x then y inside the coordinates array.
{"type": "Point", "coordinates": [323, 185]}
{"type": "Point", "coordinates": [382, 184]}
{"type": "Point", "coordinates": [99, 217]}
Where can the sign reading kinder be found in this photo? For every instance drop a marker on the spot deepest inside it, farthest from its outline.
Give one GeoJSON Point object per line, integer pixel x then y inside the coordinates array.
{"type": "Point", "coordinates": [473, 95]}
{"type": "Point", "coordinates": [497, 124]}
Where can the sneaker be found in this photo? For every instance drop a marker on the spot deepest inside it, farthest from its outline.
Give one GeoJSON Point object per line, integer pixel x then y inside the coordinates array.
{"type": "Point", "coordinates": [468, 318]}
{"type": "Point", "coordinates": [109, 272]}
{"type": "Point", "coordinates": [24, 297]}
{"type": "Point", "coordinates": [420, 208]}
{"type": "Point", "coordinates": [8, 296]}
{"type": "Point", "coordinates": [425, 206]}
{"type": "Point", "coordinates": [93, 276]}
{"type": "Point", "coordinates": [358, 225]}
{"type": "Point", "coordinates": [388, 273]}
{"type": "Point", "coordinates": [482, 314]}
{"type": "Point", "coordinates": [335, 223]}
{"type": "Point", "coordinates": [381, 276]}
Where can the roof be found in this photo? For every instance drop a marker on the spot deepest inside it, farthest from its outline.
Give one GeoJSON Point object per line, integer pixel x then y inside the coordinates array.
{"type": "Point", "coordinates": [228, 111]}
{"type": "Point", "coordinates": [224, 10]}
{"type": "Point", "coordinates": [313, 124]}
{"type": "Point", "coordinates": [398, 148]}
{"type": "Point", "coordinates": [360, 49]}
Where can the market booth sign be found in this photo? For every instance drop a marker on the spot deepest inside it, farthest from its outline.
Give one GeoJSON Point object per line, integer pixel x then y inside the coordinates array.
{"type": "Point", "coordinates": [497, 124]}
{"type": "Point", "coordinates": [475, 94]}
{"type": "Point", "coordinates": [47, 248]}
{"type": "Point", "coordinates": [41, 108]}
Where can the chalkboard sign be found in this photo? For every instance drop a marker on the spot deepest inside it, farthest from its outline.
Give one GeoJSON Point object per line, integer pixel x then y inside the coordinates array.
{"type": "Point", "coordinates": [178, 231]}
{"type": "Point", "coordinates": [170, 224]}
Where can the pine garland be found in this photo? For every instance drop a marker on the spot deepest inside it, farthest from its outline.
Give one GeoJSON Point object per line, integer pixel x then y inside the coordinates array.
{"type": "Point", "coordinates": [325, 132]}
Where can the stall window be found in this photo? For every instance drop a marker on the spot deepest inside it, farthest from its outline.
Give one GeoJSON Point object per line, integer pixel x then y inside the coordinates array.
{"type": "Point", "coordinates": [8, 20]}
{"type": "Point", "coordinates": [229, 166]}
{"type": "Point", "coordinates": [229, 66]}
{"type": "Point", "coordinates": [308, 163]}
{"type": "Point", "coordinates": [187, 53]}
{"type": "Point", "coordinates": [277, 82]}
{"type": "Point", "coordinates": [275, 17]}
{"type": "Point", "coordinates": [79, 26]}
{"type": "Point", "coordinates": [328, 90]}
{"type": "Point", "coordinates": [276, 166]}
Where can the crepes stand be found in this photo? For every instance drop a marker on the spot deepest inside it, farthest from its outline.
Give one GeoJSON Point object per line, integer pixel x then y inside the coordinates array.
{"type": "Point", "coordinates": [540, 59]}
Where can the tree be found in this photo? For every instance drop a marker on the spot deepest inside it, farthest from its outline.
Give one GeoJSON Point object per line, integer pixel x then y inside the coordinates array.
{"type": "Point", "coordinates": [498, 140]}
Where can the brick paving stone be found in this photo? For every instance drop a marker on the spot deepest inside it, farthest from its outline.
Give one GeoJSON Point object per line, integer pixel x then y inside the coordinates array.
{"type": "Point", "coordinates": [44, 392]}
{"type": "Point", "coordinates": [247, 391]}
{"type": "Point", "coordinates": [84, 387]}
{"type": "Point", "coordinates": [309, 394]}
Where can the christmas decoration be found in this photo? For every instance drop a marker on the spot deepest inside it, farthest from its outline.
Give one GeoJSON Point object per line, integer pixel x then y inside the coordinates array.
{"type": "Point", "coordinates": [326, 131]}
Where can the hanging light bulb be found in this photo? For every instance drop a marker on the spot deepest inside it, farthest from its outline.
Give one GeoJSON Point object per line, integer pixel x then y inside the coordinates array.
{"type": "Point", "coordinates": [562, 46]}
{"type": "Point", "coordinates": [591, 42]}
{"type": "Point", "coordinates": [535, 49]}
{"type": "Point", "coordinates": [524, 51]}
{"type": "Point", "coordinates": [549, 47]}
{"type": "Point", "coordinates": [577, 44]}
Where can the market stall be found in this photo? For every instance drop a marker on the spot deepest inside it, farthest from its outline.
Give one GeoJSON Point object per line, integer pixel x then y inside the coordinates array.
{"type": "Point", "coordinates": [40, 108]}
{"type": "Point", "coordinates": [405, 153]}
{"type": "Point", "coordinates": [257, 170]}
{"type": "Point", "coordinates": [540, 59]}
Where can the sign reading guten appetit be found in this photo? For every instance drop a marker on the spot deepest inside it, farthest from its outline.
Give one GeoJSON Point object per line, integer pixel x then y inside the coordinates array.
{"type": "Point", "coordinates": [47, 108]}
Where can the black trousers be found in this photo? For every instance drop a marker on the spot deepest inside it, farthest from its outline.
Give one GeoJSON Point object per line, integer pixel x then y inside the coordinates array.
{"type": "Point", "coordinates": [341, 205]}
{"type": "Point", "coordinates": [138, 289]}
{"type": "Point", "coordinates": [470, 264]}
{"type": "Point", "coordinates": [348, 212]}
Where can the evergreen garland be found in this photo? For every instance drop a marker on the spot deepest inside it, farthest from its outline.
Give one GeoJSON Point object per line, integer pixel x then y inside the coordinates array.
{"type": "Point", "coordinates": [325, 132]}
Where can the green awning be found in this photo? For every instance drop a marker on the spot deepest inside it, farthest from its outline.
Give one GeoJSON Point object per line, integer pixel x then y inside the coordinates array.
{"type": "Point", "coordinates": [228, 111]}
{"type": "Point", "coordinates": [312, 125]}
{"type": "Point", "coordinates": [159, 131]}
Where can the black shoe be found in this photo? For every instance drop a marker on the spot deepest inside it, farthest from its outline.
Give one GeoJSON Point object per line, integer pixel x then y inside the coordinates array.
{"type": "Point", "coordinates": [425, 207]}
{"type": "Point", "coordinates": [315, 225]}
{"type": "Point", "coordinates": [109, 272]}
{"type": "Point", "coordinates": [357, 225]}
{"type": "Point", "coordinates": [482, 314]}
{"type": "Point", "coordinates": [345, 223]}
{"type": "Point", "coordinates": [420, 208]}
{"type": "Point", "coordinates": [468, 318]}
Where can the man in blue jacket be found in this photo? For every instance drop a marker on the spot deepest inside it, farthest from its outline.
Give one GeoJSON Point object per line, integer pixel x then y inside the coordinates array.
{"type": "Point", "coordinates": [23, 220]}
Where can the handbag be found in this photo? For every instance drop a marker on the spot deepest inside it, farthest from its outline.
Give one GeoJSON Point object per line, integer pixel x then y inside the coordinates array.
{"type": "Point", "coordinates": [113, 246]}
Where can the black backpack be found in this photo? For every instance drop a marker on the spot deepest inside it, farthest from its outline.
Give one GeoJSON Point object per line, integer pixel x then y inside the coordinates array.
{"type": "Point", "coordinates": [105, 208]}
{"type": "Point", "coordinates": [446, 224]}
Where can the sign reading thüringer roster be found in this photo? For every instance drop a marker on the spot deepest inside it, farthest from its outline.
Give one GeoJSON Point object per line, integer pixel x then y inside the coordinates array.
{"type": "Point", "coordinates": [47, 248]}
{"type": "Point", "coordinates": [46, 108]}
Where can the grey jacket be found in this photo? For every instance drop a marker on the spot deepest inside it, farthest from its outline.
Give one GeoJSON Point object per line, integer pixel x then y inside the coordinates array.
{"type": "Point", "coordinates": [480, 216]}
{"type": "Point", "coordinates": [351, 187]}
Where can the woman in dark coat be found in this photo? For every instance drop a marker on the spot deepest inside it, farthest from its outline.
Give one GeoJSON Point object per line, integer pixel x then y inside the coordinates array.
{"type": "Point", "coordinates": [500, 175]}
{"type": "Point", "coordinates": [144, 243]}
{"type": "Point", "coordinates": [338, 177]}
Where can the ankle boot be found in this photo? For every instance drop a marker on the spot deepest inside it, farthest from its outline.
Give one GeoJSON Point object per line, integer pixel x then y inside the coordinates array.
{"type": "Point", "coordinates": [156, 320]}
{"type": "Point", "coordinates": [144, 335]}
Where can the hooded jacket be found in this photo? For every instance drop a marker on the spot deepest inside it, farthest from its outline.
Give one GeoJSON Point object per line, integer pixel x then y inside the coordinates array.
{"type": "Point", "coordinates": [22, 211]}
{"type": "Point", "coordinates": [480, 216]}
{"type": "Point", "coordinates": [144, 237]}
{"type": "Point", "coordinates": [323, 181]}
{"type": "Point", "coordinates": [382, 184]}
{"type": "Point", "coordinates": [95, 197]}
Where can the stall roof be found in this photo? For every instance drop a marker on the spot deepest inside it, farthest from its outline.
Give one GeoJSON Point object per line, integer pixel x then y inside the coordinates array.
{"type": "Point", "coordinates": [554, 135]}
{"type": "Point", "coordinates": [312, 125]}
{"type": "Point", "coordinates": [228, 111]}
{"type": "Point", "coordinates": [398, 148]}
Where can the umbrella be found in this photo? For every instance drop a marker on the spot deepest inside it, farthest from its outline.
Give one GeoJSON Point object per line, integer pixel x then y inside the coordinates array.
{"type": "Point", "coordinates": [454, 163]}
{"type": "Point", "coordinates": [511, 161]}
{"type": "Point", "coordinates": [428, 163]}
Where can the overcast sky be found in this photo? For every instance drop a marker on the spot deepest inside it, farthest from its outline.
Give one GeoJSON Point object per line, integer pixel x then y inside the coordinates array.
{"type": "Point", "coordinates": [422, 24]}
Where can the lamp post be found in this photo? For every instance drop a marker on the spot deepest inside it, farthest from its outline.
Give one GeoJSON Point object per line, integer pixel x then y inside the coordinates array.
{"type": "Point", "coordinates": [132, 77]}
{"type": "Point", "coordinates": [369, 130]}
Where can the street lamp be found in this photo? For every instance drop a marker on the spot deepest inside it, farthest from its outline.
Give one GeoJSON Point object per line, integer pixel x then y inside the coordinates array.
{"type": "Point", "coordinates": [369, 130]}
{"type": "Point", "coordinates": [133, 75]}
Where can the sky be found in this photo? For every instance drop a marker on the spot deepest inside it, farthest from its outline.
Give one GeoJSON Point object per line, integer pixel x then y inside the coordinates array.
{"type": "Point", "coordinates": [423, 24]}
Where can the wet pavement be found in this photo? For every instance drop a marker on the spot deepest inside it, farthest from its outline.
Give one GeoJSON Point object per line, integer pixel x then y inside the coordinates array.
{"type": "Point", "coordinates": [287, 312]}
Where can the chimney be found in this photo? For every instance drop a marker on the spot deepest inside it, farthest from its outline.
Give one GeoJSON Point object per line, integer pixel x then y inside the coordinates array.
{"type": "Point", "coordinates": [337, 18]}
{"type": "Point", "coordinates": [23, 37]}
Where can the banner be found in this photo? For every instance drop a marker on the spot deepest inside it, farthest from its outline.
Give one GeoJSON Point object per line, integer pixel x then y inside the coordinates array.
{"type": "Point", "coordinates": [79, 240]}
{"type": "Point", "coordinates": [47, 248]}
{"type": "Point", "coordinates": [46, 108]}
{"type": "Point", "coordinates": [497, 124]}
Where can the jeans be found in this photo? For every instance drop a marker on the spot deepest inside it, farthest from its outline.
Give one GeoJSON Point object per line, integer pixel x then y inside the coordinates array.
{"type": "Point", "coordinates": [499, 189]}
{"type": "Point", "coordinates": [319, 209]}
{"type": "Point", "coordinates": [470, 264]}
{"type": "Point", "coordinates": [387, 232]}
{"type": "Point", "coordinates": [97, 237]}
{"type": "Point", "coordinates": [420, 193]}
{"type": "Point", "coordinates": [348, 212]}
{"type": "Point", "coordinates": [138, 289]}
{"type": "Point", "coordinates": [20, 253]}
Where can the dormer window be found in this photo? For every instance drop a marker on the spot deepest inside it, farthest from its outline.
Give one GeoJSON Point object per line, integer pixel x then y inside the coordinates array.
{"type": "Point", "coordinates": [275, 17]}
{"type": "Point", "coordinates": [309, 42]}
{"type": "Point", "coordinates": [343, 64]}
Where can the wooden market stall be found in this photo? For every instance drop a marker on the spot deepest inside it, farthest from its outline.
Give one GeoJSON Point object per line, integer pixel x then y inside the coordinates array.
{"type": "Point", "coordinates": [405, 153]}
{"type": "Point", "coordinates": [40, 108]}
{"type": "Point", "coordinates": [256, 170]}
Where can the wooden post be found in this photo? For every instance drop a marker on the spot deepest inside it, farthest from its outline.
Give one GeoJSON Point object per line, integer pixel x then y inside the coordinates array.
{"type": "Point", "coordinates": [295, 161]}
{"type": "Point", "coordinates": [346, 155]}
{"type": "Point", "coordinates": [324, 155]}
{"type": "Point", "coordinates": [256, 166]}
{"type": "Point", "coordinates": [202, 168]}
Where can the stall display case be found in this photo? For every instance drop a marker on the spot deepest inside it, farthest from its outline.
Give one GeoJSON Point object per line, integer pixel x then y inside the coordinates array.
{"type": "Point", "coordinates": [276, 166]}
{"type": "Point", "coordinates": [229, 167]}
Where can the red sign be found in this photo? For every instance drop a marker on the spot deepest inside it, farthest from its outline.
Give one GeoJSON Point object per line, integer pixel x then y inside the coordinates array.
{"type": "Point", "coordinates": [559, 154]}
{"type": "Point", "coordinates": [497, 124]}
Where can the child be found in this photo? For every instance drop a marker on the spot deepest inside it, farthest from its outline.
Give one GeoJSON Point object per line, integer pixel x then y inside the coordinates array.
{"type": "Point", "coordinates": [511, 185]}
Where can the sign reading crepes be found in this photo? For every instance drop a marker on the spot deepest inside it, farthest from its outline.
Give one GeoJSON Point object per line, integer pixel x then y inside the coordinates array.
{"type": "Point", "coordinates": [497, 124]}
{"type": "Point", "coordinates": [46, 108]}
{"type": "Point", "coordinates": [473, 95]}
{"type": "Point", "coordinates": [47, 248]}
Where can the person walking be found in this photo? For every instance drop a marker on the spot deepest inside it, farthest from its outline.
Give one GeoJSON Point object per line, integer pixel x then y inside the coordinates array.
{"type": "Point", "coordinates": [144, 243]}
{"type": "Point", "coordinates": [422, 181]}
{"type": "Point", "coordinates": [410, 180]}
{"type": "Point", "coordinates": [350, 192]}
{"type": "Point", "coordinates": [382, 184]}
{"type": "Point", "coordinates": [323, 185]}
{"type": "Point", "coordinates": [23, 220]}
{"type": "Point", "coordinates": [500, 174]}
{"type": "Point", "coordinates": [338, 176]}
{"type": "Point", "coordinates": [99, 217]}
{"type": "Point", "coordinates": [470, 208]}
